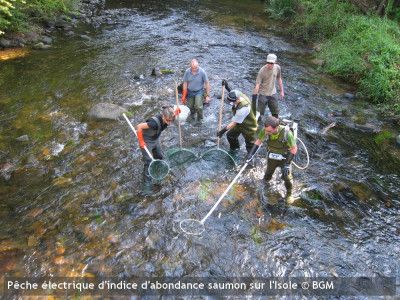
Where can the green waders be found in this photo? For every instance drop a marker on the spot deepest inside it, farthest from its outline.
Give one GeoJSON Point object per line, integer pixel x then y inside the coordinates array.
{"type": "Point", "coordinates": [196, 105]}
{"type": "Point", "coordinates": [248, 128]}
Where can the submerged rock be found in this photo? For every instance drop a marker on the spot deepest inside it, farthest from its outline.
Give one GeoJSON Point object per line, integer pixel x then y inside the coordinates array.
{"type": "Point", "coordinates": [47, 40]}
{"type": "Point", "coordinates": [85, 37]}
{"type": "Point", "coordinates": [106, 111]}
{"type": "Point", "coordinates": [6, 171]}
{"type": "Point", "coordinates": [41, 46]}
{"type": "Point", "coordinates": [368, 127]}
{"type": "Point", "coordinates": [22, 138]}
{"type": "Point", "coordinates": [156, 72]}
{"type": "Point", "coordinates": [62, 182]}
{"type": "Point", "coordinates": [350, 96]}
{"type": "Point", "coordinates": [4, 43]}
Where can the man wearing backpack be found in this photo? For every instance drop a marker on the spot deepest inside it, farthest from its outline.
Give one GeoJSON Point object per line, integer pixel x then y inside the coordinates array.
{"type": "Point", "coordinates": [281, 151]}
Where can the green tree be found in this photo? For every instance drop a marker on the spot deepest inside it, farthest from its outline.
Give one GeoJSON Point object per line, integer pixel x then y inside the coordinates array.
{"type": "Point", "coordinates": [19, 14]}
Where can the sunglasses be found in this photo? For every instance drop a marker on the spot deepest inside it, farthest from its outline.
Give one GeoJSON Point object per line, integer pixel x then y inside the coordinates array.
{"type": "Point", "coordinates": [270, 63]}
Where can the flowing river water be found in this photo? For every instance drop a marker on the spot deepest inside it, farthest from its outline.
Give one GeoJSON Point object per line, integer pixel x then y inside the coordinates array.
{"type": "Point", "coordinates": [72, 198]}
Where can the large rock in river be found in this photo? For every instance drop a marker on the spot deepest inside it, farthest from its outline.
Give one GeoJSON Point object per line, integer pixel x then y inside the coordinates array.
{"type": "Point", "coordinates": [106, 111]}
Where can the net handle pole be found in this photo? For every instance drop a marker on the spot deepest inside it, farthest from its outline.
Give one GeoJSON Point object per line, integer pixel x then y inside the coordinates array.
{"type": "Point", "coordinates": [224, 193]}
{"type": "Point", "coordinates": [179, 121]}
{"type": "Point", "coordinates": [220, 113]}
{"type": "Point", "coordinates": [133, 128]}
{"type": "Point", "coordinates": [229, 187]}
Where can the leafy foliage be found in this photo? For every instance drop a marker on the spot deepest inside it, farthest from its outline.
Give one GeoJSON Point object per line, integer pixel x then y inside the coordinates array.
{"type": "Point", "coordinates": [364, 49]}
{"type": "Point", "coordinates": [15, 14]}
{"type": "Point", "coordinates": [6, 9]}
{"type": "Point", "coordinates": [367, 51]}
{"type": "Point", "coordinates": [281, 8]}
{"type": "Point", "coordinates": [321, 19]}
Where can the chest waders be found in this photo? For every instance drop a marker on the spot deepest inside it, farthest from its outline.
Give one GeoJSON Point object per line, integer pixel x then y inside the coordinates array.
{"type": "Point", "coordinates": [279, 146]}
{"type": "Point", "coordinates": [248, 128]}
{"type": "Point", "coordinates": [249, 124]}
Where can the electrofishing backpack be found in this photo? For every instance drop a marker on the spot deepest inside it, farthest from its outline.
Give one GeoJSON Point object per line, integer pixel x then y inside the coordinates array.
{"type": "Point", "coordinates": [289, 125]}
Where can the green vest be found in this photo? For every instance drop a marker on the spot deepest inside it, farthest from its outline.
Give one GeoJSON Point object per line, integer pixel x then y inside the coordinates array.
{"type": "Point", "coordinates": [278, 146]}
{"type": "Point", "coordinates": [250, 122]}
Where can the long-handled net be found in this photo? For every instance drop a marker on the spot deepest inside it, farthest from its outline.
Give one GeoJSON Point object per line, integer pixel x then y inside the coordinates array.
{"type": "Point", "coordinates": [180, 155]}
{"type": "Point", "coordinates": [158, 169]}
{"type": "Point", "coordinates": [220, 155]}
{"type": "Point", "coordinates": [196, 227]}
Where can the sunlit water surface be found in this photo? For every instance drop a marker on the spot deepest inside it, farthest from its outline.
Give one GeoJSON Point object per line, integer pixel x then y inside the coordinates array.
{"type": "Point", "coordinates": [72, 197]}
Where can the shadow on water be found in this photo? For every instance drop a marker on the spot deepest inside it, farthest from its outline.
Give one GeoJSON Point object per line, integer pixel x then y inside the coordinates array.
{"type": "Point", "coordinates": [71, 189]}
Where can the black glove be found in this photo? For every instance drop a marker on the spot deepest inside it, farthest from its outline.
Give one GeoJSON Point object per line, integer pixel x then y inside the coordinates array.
{"type": "Point", "coordinates": [252, 152]}
{"type": "Point", "coordinates": [225, 83]}
{"type": "Point", "coordinates": [254, 98]}
{"type": "Point", "coordinates": [286, 166]}
{"type": "Point", "coordinates": [285, 170]}
{"type": "Point", "coordinates": [221, 132]}
{"type": "Point", "coordinates": [289, 158]}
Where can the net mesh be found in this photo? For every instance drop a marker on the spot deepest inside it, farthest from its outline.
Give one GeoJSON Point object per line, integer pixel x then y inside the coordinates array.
{"type": "Point", "coordinates": [221, 157]}
{"type": "Point", "coordinates": [179, 156]}
{"type": "Point", "coordinates": [158, 169]}
{"type": "Point", "coordinates": [192, 226]}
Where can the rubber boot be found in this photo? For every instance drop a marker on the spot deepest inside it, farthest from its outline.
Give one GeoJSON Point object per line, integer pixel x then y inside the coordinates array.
{"type": "Point", "coordinates": [147, 180]}
{"type": "Point", "coordinates": [267, 178]}
{"type": "Point", "coordinates": [200, 115]}
{"type": "Point", "coordinates": [289, 197]}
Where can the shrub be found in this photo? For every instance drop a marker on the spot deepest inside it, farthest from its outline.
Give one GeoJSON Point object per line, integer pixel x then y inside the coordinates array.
{"type": "Point", "coordinates": [282, 9]}
{"type": "Point", "coordinates": [319, 20]}
{"type": "Point", "coordinates": [367, 52]}
{"type": "Point", "coordinates": [363, 49]}
{"type": "Point", "coordinates": [15, 14]}
{"type": "Point", "coordinates": [7, 13]}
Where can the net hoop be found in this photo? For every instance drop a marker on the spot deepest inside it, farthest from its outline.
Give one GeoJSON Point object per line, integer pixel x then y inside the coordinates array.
{"type": "Point", "coordinates": [188, 224]}
{"type": "Point", "coordinates": [188, 155]}
{"type": "Point", "coordinates": [154, 169]}
{"type": "Point", "coordinates": [308, 157]}
{"type": "Point", "coordinates": [210, 157]}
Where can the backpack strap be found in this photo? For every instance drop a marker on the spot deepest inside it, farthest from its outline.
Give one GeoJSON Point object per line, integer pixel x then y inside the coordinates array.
{"type": "Point", "coordinates": [285, 134]}
{"type": "Point", "coordinates": [158, 124]}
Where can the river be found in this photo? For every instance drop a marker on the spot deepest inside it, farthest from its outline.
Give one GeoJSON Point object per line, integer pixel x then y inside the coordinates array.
{"type": "Point", "coordinates": [72, 198]}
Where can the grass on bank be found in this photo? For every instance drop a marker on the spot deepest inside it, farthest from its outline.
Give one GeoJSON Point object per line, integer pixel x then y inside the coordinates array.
{"type": "Point", "coordinates": [362, 49]}
{"type": "Point", "coordinates": [18, 15]}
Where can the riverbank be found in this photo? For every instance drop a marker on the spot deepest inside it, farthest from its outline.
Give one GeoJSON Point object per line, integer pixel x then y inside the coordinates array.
{"type": "Point", "coordinates": [39, 34]}
{"type": "Point", "coordinates": [362, 49]}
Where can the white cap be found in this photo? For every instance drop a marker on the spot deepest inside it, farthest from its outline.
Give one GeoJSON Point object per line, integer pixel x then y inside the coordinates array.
{"type": "Point", "coordinates": [271, 58]}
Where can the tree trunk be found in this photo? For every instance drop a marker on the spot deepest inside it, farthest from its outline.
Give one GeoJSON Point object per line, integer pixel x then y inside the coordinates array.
{"type": "Point", "coordinates": [379, 6]}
